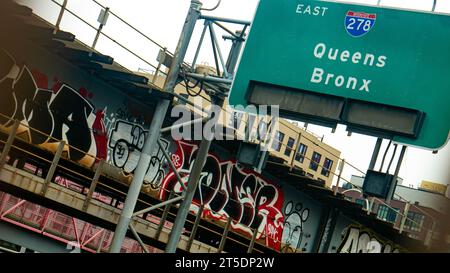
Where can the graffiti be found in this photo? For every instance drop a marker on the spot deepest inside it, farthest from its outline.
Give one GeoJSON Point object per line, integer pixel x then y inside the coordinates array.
{"type": "Point", "coordinates": [59, 113]}
{"type": "Point", "coordinates": [133, 113]}
{"type": "Point", "coordinates": [293, 233]}
{"type": "Point", "coordinates": [126, 143]}
{"type": "Point", "coordinates": [226, 190]}
{"type": "Point", "coordinates": [357, 240]}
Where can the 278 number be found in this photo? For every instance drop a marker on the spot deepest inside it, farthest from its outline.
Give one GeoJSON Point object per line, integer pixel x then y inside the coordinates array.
{"type": "Point", "coordinates": [365, 24]}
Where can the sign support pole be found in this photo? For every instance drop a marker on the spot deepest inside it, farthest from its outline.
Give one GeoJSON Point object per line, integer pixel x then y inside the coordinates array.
{"type": "Point", "coordinates": [155, 128]}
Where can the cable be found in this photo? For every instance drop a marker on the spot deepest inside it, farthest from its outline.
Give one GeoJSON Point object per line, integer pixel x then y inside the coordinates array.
{"type": "Point", "coordinates": [211, 9]}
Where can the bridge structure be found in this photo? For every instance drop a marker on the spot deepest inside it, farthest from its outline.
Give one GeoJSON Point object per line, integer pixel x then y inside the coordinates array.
{"type": "Point", "coordinates": [70, 186]}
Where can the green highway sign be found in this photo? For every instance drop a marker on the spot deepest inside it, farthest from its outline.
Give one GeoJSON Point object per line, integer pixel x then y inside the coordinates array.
{"type": "Point", "coordinates": [378, 70]}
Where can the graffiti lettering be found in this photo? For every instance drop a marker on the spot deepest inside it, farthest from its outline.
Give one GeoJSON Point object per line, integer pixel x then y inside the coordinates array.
{"type": "Point", "coordinates": [358, 241]}
{"type": "Point", "coordinates": [226, 190]}
{"type": "Point", "coordinates": [61, 114]}
{"type": "Point", "coordinates": [126, 142]}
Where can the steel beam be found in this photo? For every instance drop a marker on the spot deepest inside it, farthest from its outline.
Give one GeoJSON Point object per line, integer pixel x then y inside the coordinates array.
{"type": "Point", "coordinates": [225, 20]}
{"type": "Point", "coordinates": [252, 242]}
{"type": "Point", "coordinates": [94, 182]}
{"type": "Point", "coordinates": [394, 179]}
{"type": "Point", "coordinates": [164, 217]}
{"type": "Point", "coordinates": [191, 188]}
{"type": "Point", "coordinates": [207, 78]}
{"type": "Point", "coordinates": [52, 170]}
{"type": "Point", "coordinates": [61, 13]}
{"type": "Point", "coordinates": [376, 152]}
{"type": "Point", "coordinates": [155, 127]}
{"type": "Point", "coordinates": [136, 235]}
{"type": "Point", "coordinates": [195, 228]}
{"type": "Point", "coordinates": [224, 236]}
{"type": "Point", "coordinates": [9, 143]}
{"type": "Point", "coordinates": [162, 204]}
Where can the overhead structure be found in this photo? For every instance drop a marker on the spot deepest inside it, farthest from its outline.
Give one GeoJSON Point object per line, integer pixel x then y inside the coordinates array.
{"type": "Point", "coordinates": [380, 71]}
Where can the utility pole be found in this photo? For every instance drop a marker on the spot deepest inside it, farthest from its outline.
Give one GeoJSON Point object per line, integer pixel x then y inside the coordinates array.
{"type": "Point", "coordinates": [155, 128]}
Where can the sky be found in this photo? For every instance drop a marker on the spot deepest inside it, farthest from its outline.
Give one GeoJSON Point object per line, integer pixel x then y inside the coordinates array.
{"type": "Point", "coordinates": [162, 20]}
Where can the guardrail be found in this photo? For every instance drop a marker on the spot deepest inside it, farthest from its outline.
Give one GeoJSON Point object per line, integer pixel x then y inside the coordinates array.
{"type": "Point", "coordinates": [94, 182]}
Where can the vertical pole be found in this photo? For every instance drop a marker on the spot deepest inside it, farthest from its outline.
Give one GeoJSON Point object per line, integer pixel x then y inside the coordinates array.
{"type": "Point", "coordinates": [252, 242]}
{"type": "Point", "coordinates": [158, 68]}
{"type": "Point", "coordinates": [61, 13]}
{"type": "Point", "coordinates": [394, 179]}
{"type": "Point", "coordinates": [100, 29]}
{"type": "Point", "coordinates": [102, 240]}
{"type": "Point", "coordinates": [9, 143]}
{"type": "Point", "coordinates": [155, 128]}
{"type": "Point", "coordinates": [191, 188]}
{"type": "Point", "coordinates": [45, 220]}
{"type": "Point", "coordinates": [235, 50]}
{"type": "Point", "coordinates": [341, 169]}
{"type": "Point", "coordinates": [202, 37]}
{"type": "Point", "coordinates": [94, 182]}
{"type": "Point", "coordinates": [195, 228]}
{"type": "Point", "coordinates": [52, 169]}
{"type": "Point", "coordinates": [434, 5]}
{"type": "Point", "coordinates": [375, 153]}
{"type": "Point", "coordinates": [405, 215]}
{"type": "Point", "coordinates": [164, 216]}
{"type": "Point", "coordinates": [219, 52]}
{"type": "Point", "coordinates": [224, 236]}
{"type": "Point", "coordinates": [138, 238]}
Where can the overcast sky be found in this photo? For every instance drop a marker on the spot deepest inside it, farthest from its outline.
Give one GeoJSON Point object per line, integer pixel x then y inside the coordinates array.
{"type": "Point", "coordinates": [162, 20]}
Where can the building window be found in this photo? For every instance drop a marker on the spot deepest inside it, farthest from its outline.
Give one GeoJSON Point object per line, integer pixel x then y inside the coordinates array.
{"type": "Point", "coordinates": [315, 161]}
{"type": "Point", "coordinates": [327, 165]}
{"type": "Point", "coordinates": [301, 152]}
{"type": "Point", "coordinates": [387, 214]}
{"type": "Point", "coordinates": [414, 221]}
{"type": "Point", "coordinates": [276, 144]}
{"type": "Point", "coordinates": [289, 147]}
{"type": "Point", "coordinates": [362, 202]}
{"type": "Point", "coordinates": [310, 175]}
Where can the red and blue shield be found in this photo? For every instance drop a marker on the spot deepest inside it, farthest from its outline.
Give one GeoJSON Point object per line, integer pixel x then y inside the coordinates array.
{"type": "Point", "coordinates": [358, 24]}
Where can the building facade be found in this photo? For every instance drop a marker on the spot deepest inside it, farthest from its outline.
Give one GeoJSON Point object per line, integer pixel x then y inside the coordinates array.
{"type": "Point", "coordinates": [294, 145]}
{"type": "Point", "coordinates": [420, 214]}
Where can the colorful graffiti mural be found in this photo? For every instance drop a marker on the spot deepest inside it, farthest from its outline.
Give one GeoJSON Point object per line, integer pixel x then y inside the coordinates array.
{"type": "Point", "coordinates": [225, 190]}
{"type": "Point", "coordinates": [126, 143]}
{"type": "Point", "coordinates": [56, 113]}
{"type": "Point", "coordinates": [360, 240]}
{"type": "Point", "coordinates": [116, 132]}
{"type": "Point", "coordinates": [293, 231]}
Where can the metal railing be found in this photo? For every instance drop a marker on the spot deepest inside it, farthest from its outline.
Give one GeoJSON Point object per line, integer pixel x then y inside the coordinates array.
{"type": "Point", "coordinates": [59, 178]}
